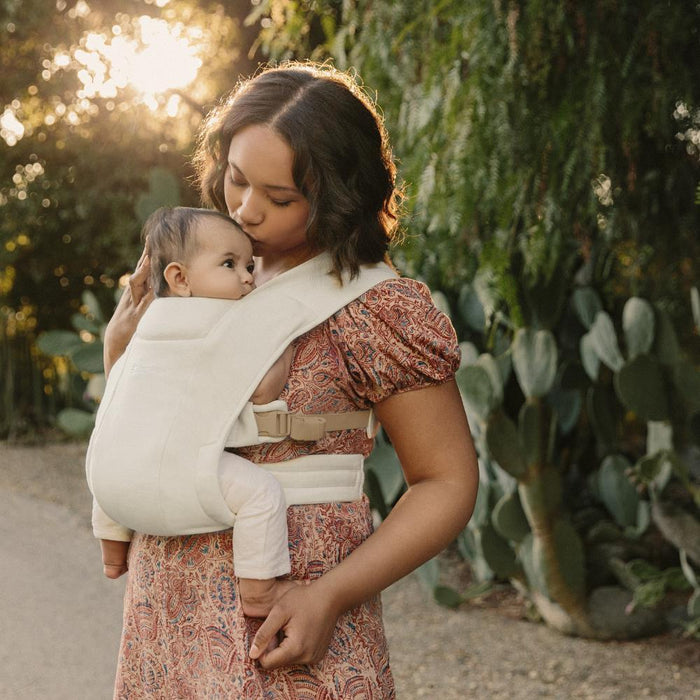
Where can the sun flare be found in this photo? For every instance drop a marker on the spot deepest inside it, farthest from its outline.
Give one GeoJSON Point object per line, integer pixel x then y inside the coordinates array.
{"type": "Point", "coordinates": [161, 57]}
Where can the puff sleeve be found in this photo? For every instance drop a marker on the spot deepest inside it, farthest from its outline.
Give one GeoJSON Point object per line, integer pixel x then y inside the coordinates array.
{"type": "Point", "coordinates": [394, 339]}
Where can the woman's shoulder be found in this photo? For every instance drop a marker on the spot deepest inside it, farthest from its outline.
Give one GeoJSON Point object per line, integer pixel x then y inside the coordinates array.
{"type": "Point", "coordinates": [395, 335]}
{"type": "Point", "coordinates": [397, 302]}
{"type": "Point", "coordinates": [399, 289]}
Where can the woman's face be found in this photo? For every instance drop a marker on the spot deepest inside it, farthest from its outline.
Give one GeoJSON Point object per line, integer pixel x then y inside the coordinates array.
{"type": "Point", "coordinates": [261, 196]}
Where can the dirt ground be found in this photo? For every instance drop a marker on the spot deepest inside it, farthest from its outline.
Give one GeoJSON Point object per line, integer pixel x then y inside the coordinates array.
{"type": "Point", "coordinates": [483, 650]}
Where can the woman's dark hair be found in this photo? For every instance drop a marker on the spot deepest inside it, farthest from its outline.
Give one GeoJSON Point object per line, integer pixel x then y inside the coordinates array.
{"type": "Point", "coordinates": [169, 237]}
{"type": "Point", "coordinates": [342, 160]}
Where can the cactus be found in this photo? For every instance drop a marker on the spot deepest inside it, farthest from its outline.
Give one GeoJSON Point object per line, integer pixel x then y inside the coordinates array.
{"type": "Point", "coordinates": [686, 380]}
{"type": "Point", "coordinates": [565, 402]}
{"type": "Point", "coordinates": [478, 391]}
{"type": "Point", "coordinates": [603, 339]}
{"type": "Point", "coordinates": [666, 346]}
{"type": "Point", "coordinates": [532, 425]}
{"type": "Point", "coordinates": [638, 326]}
{"type": "Point", "coordinates": [59, 343]}
{"type": "Point", "coordinates": [504, 444]}
{"type": "Point", "coordinates": [509, 519]}
{"type": "Point", "coordinates": [537, 430]}
{"type": "Point", "coordinates": [603, 413]}
{"type": "Point", "coordinates": [535, 361]}
{"type": "Point", "coordinates": [384, 480]}
{"type": "Point", "coordinates": [616, 490]}
{"type": "Point", "coordinates": [640, 386]}
{"type": "Point", "coordinates": [86, 357]}
{"type": "Point", "coordinates": [470, 308]}
{"type": "Point", "coordinates": [693, 606]}
{"type": "Point", "coordinates": [679, 527]}
{"type": "Point", "coordinates": [589, 356]}
{"type": "Point", "coordinates": [587, 304]}
{"type": "Point", "coordinates": [497, 553]}
{"type": "Point", "coordinates": [76, 422]}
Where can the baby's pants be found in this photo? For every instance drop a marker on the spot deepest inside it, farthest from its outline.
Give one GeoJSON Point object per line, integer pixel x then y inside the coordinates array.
{"type": "Point", "coordinates": [255, 497]}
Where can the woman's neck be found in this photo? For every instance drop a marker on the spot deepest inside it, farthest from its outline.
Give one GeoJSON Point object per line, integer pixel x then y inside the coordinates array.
{"type": "Point", "coordinates": [268, 266]}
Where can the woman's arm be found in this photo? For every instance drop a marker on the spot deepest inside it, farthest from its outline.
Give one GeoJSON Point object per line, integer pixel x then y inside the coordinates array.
{"type": "Point", "coordinates": [430, 433]}
{"type": "Point", "coordinates": [131, 307]}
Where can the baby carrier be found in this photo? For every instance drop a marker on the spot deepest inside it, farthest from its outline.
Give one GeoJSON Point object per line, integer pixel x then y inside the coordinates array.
{"type": "Point", "coordinates": [180, 394]}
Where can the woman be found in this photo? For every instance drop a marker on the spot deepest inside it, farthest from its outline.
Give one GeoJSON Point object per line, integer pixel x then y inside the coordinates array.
{"type": "Point", "coordinates": [299, 158]}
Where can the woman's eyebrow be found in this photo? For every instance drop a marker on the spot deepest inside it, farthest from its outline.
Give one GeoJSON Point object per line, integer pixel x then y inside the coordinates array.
{"type": "Point", "coordinates": [285, 188]}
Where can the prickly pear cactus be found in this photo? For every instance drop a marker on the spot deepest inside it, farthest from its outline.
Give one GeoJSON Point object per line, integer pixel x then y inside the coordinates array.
{"type": "Point", "coordinates": [532, 425]}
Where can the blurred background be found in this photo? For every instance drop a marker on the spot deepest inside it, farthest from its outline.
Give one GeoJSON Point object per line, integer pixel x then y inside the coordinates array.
{"type": "Point", "coordinates": [550, 156]}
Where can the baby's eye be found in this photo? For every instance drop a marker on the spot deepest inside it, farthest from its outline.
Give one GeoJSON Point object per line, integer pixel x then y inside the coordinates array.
{"type": "Point", "coordinates": [229, 263]}
{"type": "Point", "coordinates": [250, 267]}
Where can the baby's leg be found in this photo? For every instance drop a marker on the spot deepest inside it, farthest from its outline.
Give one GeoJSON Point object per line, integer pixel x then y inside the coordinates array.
{"type": "Point", "coordinates": [260, 548]}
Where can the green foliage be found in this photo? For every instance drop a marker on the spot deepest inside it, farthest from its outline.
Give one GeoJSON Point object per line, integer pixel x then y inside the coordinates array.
{"type": "Point", "coordinates": [76, 422]}
{"type": "Point", "coordinates": [640, 385]}
{"type": "Point", "coordinates": [648, 583]}
{"type": "Point", "coordinates": [163, 191]}
{"type": "Point", "coordinates": [31, 390]}
{"type": "Point", "coordinates": [529, 135]}
{"type": "Point", "coordinates": [534, 361]}
{"type": "Point", "coordinates": [80, 149]}
{"type": "Point", "coordinates": [692, 627]}
{"type": "Point", "coordinates": [540, 474]}
{"type": "Point", "coordinates": [384, 480]}
{"type": "Point", "coordinates": [509, 518]}
{"type": "Point", "coordinates": [84, 350]}
{"type": "Point", "coordinates": [80, 158]}
{"type": "Point", "coordinates": [504, 444]}
{"type": "Point", "coordinates": [616, 491]}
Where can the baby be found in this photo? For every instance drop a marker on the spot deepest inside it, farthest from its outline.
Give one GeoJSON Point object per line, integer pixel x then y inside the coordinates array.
{"type": "Point", "coordinates": [203, 253]}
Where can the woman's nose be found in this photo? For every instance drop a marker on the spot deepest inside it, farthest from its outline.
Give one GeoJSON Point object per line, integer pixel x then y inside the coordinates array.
{"type": "Point", "coordinates": [248, 211]}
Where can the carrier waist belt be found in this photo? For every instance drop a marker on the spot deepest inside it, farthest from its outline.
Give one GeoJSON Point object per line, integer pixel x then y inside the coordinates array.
{"type": "Point", "coordinates": [319, 478]}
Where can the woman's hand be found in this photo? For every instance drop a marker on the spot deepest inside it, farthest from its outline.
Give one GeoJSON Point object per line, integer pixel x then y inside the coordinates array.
{"type": "Point", "coordinates": [430, 433]}
{"type": "Point", "coordinates": [131, 307]}
{"type": "Point", "coordinates": [306, 617]}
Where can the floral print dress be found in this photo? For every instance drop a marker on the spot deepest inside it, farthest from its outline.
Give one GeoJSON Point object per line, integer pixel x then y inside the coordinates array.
{"type": "Point", "coordinates": [184, 635]}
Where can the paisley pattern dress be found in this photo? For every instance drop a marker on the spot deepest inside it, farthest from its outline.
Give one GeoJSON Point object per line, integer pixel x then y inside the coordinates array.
{"type": "Point", "coordinates": [184, 635]}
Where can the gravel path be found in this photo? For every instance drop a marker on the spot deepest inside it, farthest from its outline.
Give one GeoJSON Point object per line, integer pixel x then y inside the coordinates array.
{"type": "Point", "coordinates": [50, 574]}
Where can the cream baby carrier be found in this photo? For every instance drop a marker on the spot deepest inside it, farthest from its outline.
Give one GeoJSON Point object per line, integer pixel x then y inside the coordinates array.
{"type": "Point", "coordinates": [180, 394]}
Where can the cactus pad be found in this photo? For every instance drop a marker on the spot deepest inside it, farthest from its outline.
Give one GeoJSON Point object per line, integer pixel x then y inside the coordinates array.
{"type": "Point", "coordinates": [509, 519]}
{"type": "Point", "coordinates": [617, 492]}
{"type": "Point", "coordinates": [641, 387]}
{"type": "Point", "coordinates": [535, 361]}
{"type": "Point", "coordinates": [638, 326]}
{"type": "Point", "coordinates": [504, 444]}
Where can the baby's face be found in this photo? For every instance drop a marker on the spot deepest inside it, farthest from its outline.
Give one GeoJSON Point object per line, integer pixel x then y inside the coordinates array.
{"type": "Point", "coordinates": [222, 266]}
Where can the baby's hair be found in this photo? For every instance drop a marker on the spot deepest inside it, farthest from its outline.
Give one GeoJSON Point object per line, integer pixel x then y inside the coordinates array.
{"type": "Point", "coordinates": [169, 237]}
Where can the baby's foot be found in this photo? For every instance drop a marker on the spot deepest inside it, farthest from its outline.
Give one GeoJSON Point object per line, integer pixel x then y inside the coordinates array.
{"type": "Point", "coordinates": [258, 596]}
{"type": "Point", "coordinates": [114, 570]}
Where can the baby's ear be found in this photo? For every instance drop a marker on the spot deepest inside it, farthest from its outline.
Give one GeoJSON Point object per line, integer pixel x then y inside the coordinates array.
{"type": "Point", "coordinates": [176, 276]}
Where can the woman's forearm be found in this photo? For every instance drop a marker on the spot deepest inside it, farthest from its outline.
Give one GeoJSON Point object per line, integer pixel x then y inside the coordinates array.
{"type": "Point", "coordinates": [425, 520]}
{"type": "Point", "coordinates": [132, 305]}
